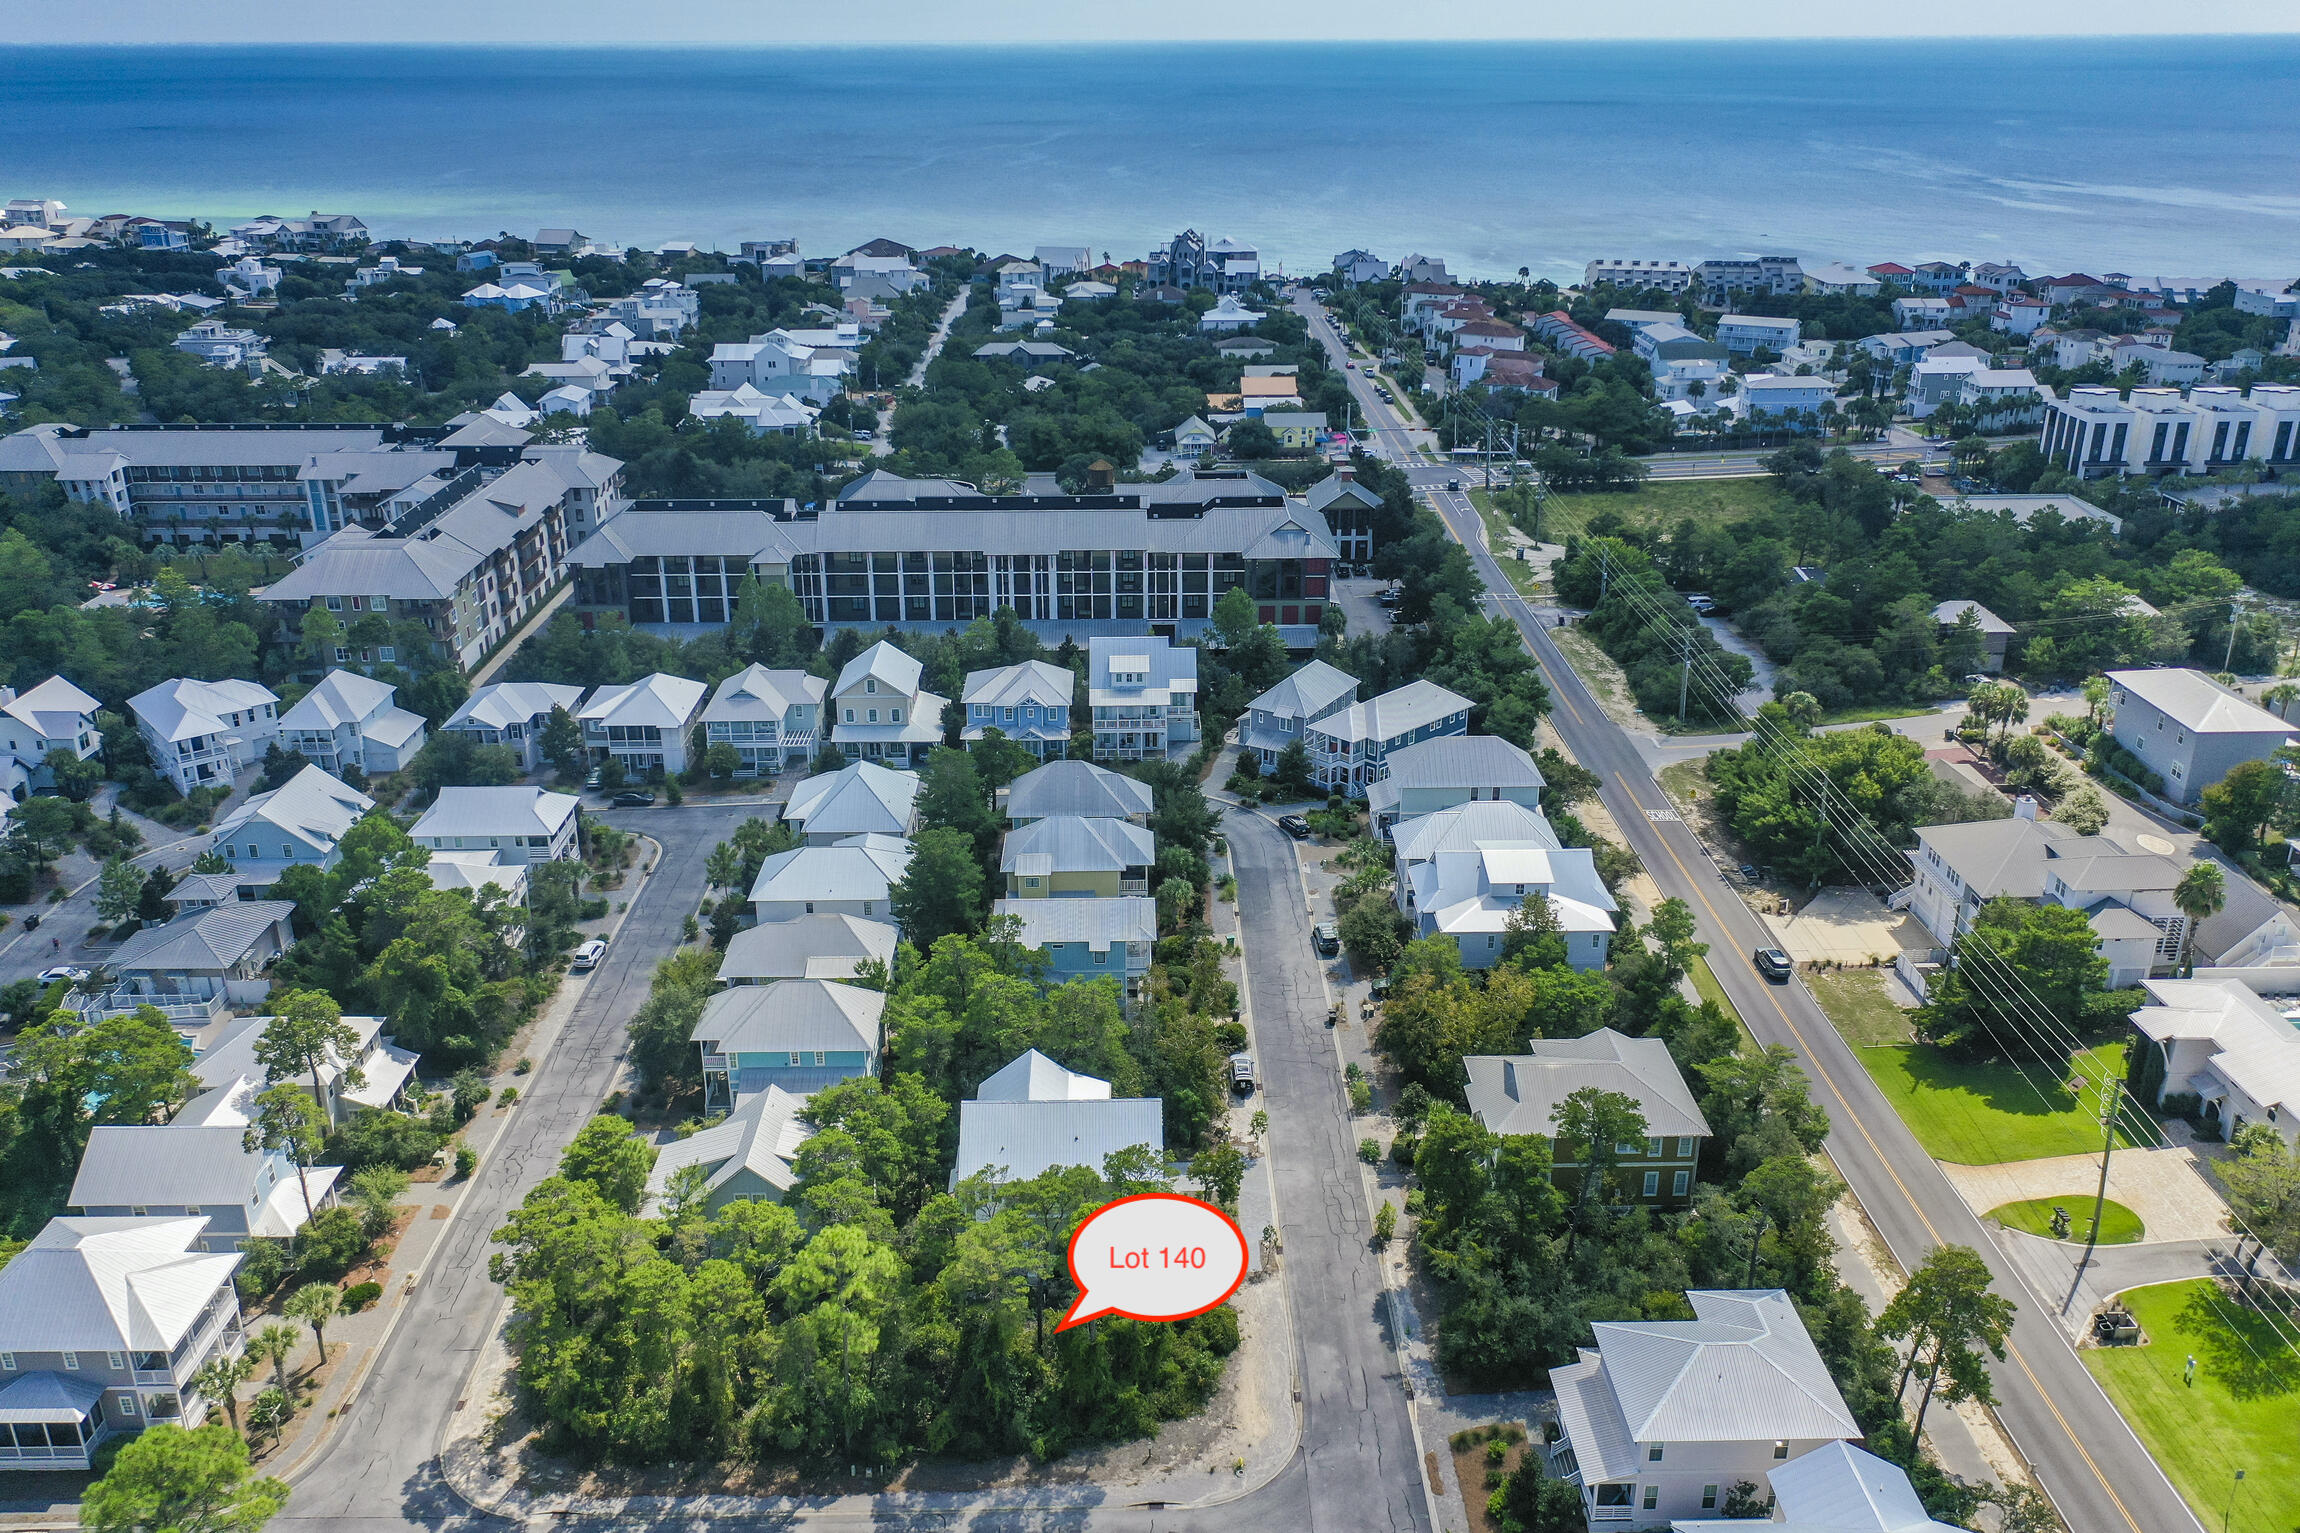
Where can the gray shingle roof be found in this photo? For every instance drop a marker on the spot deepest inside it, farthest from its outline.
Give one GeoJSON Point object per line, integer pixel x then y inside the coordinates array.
{"type": "Point", "coordinates": [1515, 1093]}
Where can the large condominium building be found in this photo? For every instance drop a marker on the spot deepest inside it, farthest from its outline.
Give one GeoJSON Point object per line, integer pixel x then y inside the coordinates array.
{"type": "Point", "coordinates": [1669, 276]}
{"type": "Point", "coordinates": [469, 563]}
{"type": "Point", "coordinates": [2094, 432]}
{"type": "Point", "coordinates": [923, 554]}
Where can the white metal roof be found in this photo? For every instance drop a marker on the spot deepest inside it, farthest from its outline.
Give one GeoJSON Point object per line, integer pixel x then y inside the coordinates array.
{"type": "Point", "coordinates": [862, 798]}
{"type": "Point", "coordinates": [762, 1136]}
{"type": "Point", "coordinates": [1027, 681]}
{"type": "Point", "coordinates": [662, 700]}
{"type": "Point", "coordinates": [800, 1014]}
{"type": "Point", "coordinates": [896, 672]}
{"type": "Point", "coordinates": [859, 868]}
{"type": "Point", "coordinates": [808, 947]}
{"type": "Point", "coordinates": [1100, 924]}
{"type": "Point", "coordinates": [1078, 845]}
{"type": "Point", "coordinates": [511, 811]}
{"type": "Point", "coordinates": [1079, 788]}
{"type": "Point", "coordinates": [184, 709]}
{"type": "Point", "coordinates": [1032, 1077]}
{"type": "Point", "coordinates": [1027, 1139]}
{"type": "Point", "coordinates": [504, 703]}
{"type": "Point", "coordinates": [756, 694]}
{"type": "Point", "coordinates": [108, 1284]}
{"type": "Point", "coordinates": [312, 804]}
{"type": "Point", "coordinates": [1744, 1370]}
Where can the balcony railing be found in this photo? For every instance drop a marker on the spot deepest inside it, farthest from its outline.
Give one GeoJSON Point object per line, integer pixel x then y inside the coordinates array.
{"type": "Point", "coordinates": [180, 1011]}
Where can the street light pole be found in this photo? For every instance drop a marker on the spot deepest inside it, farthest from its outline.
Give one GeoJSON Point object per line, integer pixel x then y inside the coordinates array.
{"type": "Point", "coordinates": [2231, 1512]}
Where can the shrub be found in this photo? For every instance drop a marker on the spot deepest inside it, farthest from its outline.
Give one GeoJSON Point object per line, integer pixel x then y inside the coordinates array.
{"type": "Point", "coordinates": [466, 1161]}
{"type": "Point", "coordinates": [510, 1095]}
{"type": "Point", "coordinates": [471, 1094]}
{"type": "Point", "coordinates": [262, 1264]}
{"type": "Point", "coordinates": [1230, 1035]}
{"type": "Point", "coordinates": [1370, 1151]}
{"type": "Point", "coordinates": [329, 1244]}
{"type": "Point", "coordinates": [1402, 1150]}
{"type": "Point", "coordinates": [360, 1295]}
{"type": "Point", "coordinates": [1362, 1096]}
{"type": "Point", "coordinates": [372, 1137]}
{"type": "Point", "coordinates": [1385, 1226]}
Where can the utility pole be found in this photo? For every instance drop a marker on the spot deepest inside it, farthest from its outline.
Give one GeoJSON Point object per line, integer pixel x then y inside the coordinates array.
{"type": "Point", "coordinates": [2229, 659]}
{"type": "Point", "coordinates": [2107, 1143]}
{"type": "Point", "coordinates": [1685, 677]}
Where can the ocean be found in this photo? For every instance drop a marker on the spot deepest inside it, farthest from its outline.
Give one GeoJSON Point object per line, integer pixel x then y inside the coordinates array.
{"type": "Point", "coordinates": [2148, 156]}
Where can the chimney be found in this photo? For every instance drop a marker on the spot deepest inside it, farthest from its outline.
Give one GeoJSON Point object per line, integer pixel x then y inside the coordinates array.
{"type": "Point", "coordinates": [2024, 807]}
{"type": "Point", "coordinates": [1347, 473]}
{"type": "Point", "coordinates": [1509, 1079]}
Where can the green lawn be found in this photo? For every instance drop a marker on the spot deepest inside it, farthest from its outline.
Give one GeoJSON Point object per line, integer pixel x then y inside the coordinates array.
{"type": "Point", "coordinates": [1661, 504]}
{"type": "Point", "coordinates": [1974, 1114]}
{"type": "Point", "coordinates": [2119, 1225]}
{"type": "Point", "coordinates": [1878, 711]}
{"type": "Point", "coordinates": [2239, 1414]}
{"type": "Point", "coordinates": [1705, 981]}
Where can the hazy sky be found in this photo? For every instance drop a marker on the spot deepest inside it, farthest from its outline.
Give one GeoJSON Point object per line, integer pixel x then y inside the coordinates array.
{"type": "Point", "coordinates": [771, 21]}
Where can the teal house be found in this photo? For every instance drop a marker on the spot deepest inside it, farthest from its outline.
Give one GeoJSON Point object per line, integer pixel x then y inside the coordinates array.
{"type": "Point", "coordinates": [797, 1034]}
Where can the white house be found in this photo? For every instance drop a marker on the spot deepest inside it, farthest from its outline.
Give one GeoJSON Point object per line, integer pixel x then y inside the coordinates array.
{"type": "Point", "coordinates": [766, 414]}
{"type": "Point", "coordinates": [1747, 334]}
{"type": "Point", "coordinates": [2002, 396]}
{"type": "Point", "coordinates": [349, 720]}
{"type": "Point", "coordinates": [1033, 1115]}
{"type": "Point", "coordinates": [860, 799]}
{"type": "Point", "coordinates": [881, 712]}
{"type": "Point", "coordinates": [1959, 868]}
{"type": "Point", "coordinates": [1663, 1417]}
{"type": "Point", "coordinates": [772, 718]}
{"type": "Point", "coordinates": [231, 1077]}
{"type": "Point", "coordinates": [1144, 696]}
{"type": "Point", "coordinates": [1462, 872]}
{"type": "Point", "coordinates": [1836, 1488]}
{"type": "Point", "coordinates": [300, 823]}
{"type": "Point", "coordinates": [1228, 316]}
{"type": "Point", "coordinates": [2237, 1052]}
{"type": "Point", "coordinates": [200, 1165]}
{"type": "Point", "coordinates": [105, 1323]}
{"type": "Point", "coordinates": [1028, 702]}
{"type": "Point", "coordinates": [644, 724]}
{"type": "Point", "coordinates": [53, 716]}
{"type": "Point", "coordinates": [852, 877]}
{"type": "Point", "coordinates": [519, 824]}
{"type": "Point", "coordinates": [201, 733]}
{"type": "Point", "coordinates": [513, 714]}
{"type": "Point", "coordinates": [1772, 401]}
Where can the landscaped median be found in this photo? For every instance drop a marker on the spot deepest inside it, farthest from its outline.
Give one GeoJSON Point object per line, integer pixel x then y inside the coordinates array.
{"type": "Point", "coordinates": [2237, 1413]}
{"type": "Point", "coordinates": [1972, 1112]}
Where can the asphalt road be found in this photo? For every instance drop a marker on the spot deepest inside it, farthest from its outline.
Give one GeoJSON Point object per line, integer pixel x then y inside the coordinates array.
{"type": "Point", "coordinates": [1357, 1442]}
{"type": "Point", "coordinates": [378, 1471]}
{"type": "Point", "coordinates": [2087, 1458]}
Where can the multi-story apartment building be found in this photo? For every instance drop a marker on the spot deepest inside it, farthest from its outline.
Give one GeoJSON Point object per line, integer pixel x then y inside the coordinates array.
{"type": "Point", "coordinates": [1668, 276]}
{"type": "Point", "coordinates": [200, 733]}
{"type": "Point", "coordinates": [1772, 276]}
{"type": "Point", "coordinates": [468, 564]}
{"type": "Point", "coordinates": [104, 1323]}
{"type": "Point", "coordinates": [205, 485]}
{"type": "Point", "coordinates": [920, 555]}
{"type": "Point", "coordinates": [2093, 432]}
{"type": "Point", "coordinates": [1144, 697]}
{"type": "Point", "coordinates": [1747, 334]}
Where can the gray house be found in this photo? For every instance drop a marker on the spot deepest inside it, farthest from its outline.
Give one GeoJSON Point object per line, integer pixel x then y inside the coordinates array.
{"type": "Point", "coordinates": [1451, 769]}
{"type": "Point", "coordinates": [103, 1324]}
{"type": "Point", "coordinates": [2189, 729]}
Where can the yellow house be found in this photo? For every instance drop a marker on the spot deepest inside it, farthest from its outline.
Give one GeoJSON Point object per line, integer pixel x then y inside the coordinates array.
{"type": "Point", "coordinates": [1295, 428]}
{"type": "Point", "coordinates": [1072, 857]}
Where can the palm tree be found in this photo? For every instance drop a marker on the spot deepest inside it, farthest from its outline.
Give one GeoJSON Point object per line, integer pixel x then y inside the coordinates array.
{"type": "Point", "coordinates": [220, 1378]}
{"type": "Point", "coordinates": [2280, 697]}
{"type": "Point", "coordinates": [315, 1304]}
{"type": "Point", "coordinates": [275, 1344]}
{"type": "Point", "coordinates": [2012, 703]}
{"type": "Point", "coordinates": [2200, 895]}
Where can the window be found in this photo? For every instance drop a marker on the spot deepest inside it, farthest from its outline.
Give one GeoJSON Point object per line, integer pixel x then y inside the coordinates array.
{"type": "Point", "coordinates": [7, 1362]}
{"type": "Point", "coordinates": [1653, 1454]}
{"type": "Point", "coordinates": [1684, 1145]}
{"type": "Point", "coordinates": [1780, 1450]}
{"type": "Point", "coordinates": [874, 715]}
{"type": "Point", "coordinates": [870, 684]}
{"type": "Point", "coordinates": [1652, 1184]}
{"type": "Point", "coordinates": [894, 715]}
{"type": "Point", "coordinates": [1615, 1495]}
{"type": "Point", "coordinates": [810, 907]}
{"type": "Point", "coordinates": [1102, 955]}
{"type": "Point", "coordinates": [114, 1361]}
{"type": "Point", "coordinates": [1679, 1182]}
{"type": "Point", "coordinates": [287, 853]}
{"type": "Point", "coordinates": [1626, 1147]}
{"type": "Point", "coordinates": [850, 718]}
{"type": "Point", "coordinates": [1708, 1498]}
{"type": "Point", "coordinates": [1652, 1497]}
{"type": "Point", "coordinates": [138, 1211]}
{"type": "Point", "coordinates": [71, 1362]}
{"type": "Point", "coordinates": [794, 1056]}
{"type": "Point", "coordinates": [341, 654]}
{"type": "Point", "coordinates": [1653, 1147]}
{"type": "Point", "coordinates": [127, 1405]}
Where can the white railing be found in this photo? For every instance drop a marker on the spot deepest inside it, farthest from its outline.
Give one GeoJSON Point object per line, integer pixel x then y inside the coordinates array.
{"type": "Point", "coordinates": [1899, 898]}
{"type": "Point", "coordinates": [181, 1011]}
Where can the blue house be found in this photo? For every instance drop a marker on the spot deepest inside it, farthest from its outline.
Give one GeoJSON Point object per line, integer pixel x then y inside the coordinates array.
{"type": "Point", "coordinates": [1085, 939]}
{"type": "Point", "coordinates": [798, 1034]}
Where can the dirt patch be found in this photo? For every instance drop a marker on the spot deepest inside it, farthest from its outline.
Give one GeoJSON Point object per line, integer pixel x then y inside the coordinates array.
{"type": "Point", "coordinates": [1605, 679]}
{"type": "Point", "coordinates": [1482, 1459]}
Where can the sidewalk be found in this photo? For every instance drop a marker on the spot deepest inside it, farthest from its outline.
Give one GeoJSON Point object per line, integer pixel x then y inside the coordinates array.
{"type": "Point", "coordinates": [355, 1342]}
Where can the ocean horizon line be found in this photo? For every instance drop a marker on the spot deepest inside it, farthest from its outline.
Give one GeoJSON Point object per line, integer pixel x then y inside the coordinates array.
{"type": "Point", "coordinates": [1039, 45]}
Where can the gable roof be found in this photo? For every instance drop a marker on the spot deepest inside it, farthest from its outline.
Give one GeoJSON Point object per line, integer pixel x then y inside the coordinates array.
{"type": "Point", "coordinates": [1074, 844]}
{"type": "Point", "coordinates": [894, 670]}
{"type": "Point", "coordinates": [761, 1136]}
{"type": "Point", "coordinates": [1950, 613]}
{"type": "Point", "coordinates": [858, 868]}
{"type": "Point", "coordinates": [341, 697]}
{"type": "Point", "coordinates": [755, 692]}
{"type": "Point", "coordinates": [311, 804]}
{"type": "Point", "coordinates": [1028, 1138]}
{"type": "Point", "coordinates": [2201, 704]}
{"type": "Point", "coordinates": [1479, 822]}
{"type": "Point", "coordinates": [513, 702]}
{"type": "Point", "coordinates": [1462, 761]}
{"type": "Point", "coordinates": [1076, 788]}
{"type": "Point", "coordinates": [662, 700]}
{"type": "Point", "coordinates": [1515, 1094]}
{"type": "Point", "coordinates": [1034, 681]}
{"type": "Point", "coordinates": [792, 1014]}
{"type": "Point", "coordinates": [179, 1164]}
{"type": "Point", "coordinates": [1101, 924]}
{"type": "Point", "coordinates": [810, 947]}
{"type": "Point", "coordinates": [108, 1285]}
{"type": "Point", "coordinates": [2254, 1047]}
{"type": "Point", "coordinates": [509, 811]}
{"type": "Point", "coordinates": [183, 709]}
{"type": "Point", "coordinates": [211, 938]}
{"type": "Point", "coordinates": [860, 799]}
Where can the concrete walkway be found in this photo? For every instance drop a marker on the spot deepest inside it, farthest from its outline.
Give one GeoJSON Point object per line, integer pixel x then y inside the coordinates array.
{"type": "Point", "coordinates": [2166, 1188]}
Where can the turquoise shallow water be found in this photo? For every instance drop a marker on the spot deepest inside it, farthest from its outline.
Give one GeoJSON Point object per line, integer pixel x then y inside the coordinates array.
{"type": "Point", "coordinates": [2157, 156]}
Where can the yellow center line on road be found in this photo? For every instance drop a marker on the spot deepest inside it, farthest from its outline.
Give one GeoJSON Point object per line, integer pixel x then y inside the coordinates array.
{"type": "Point", "coordinates": [1814, 1064]}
